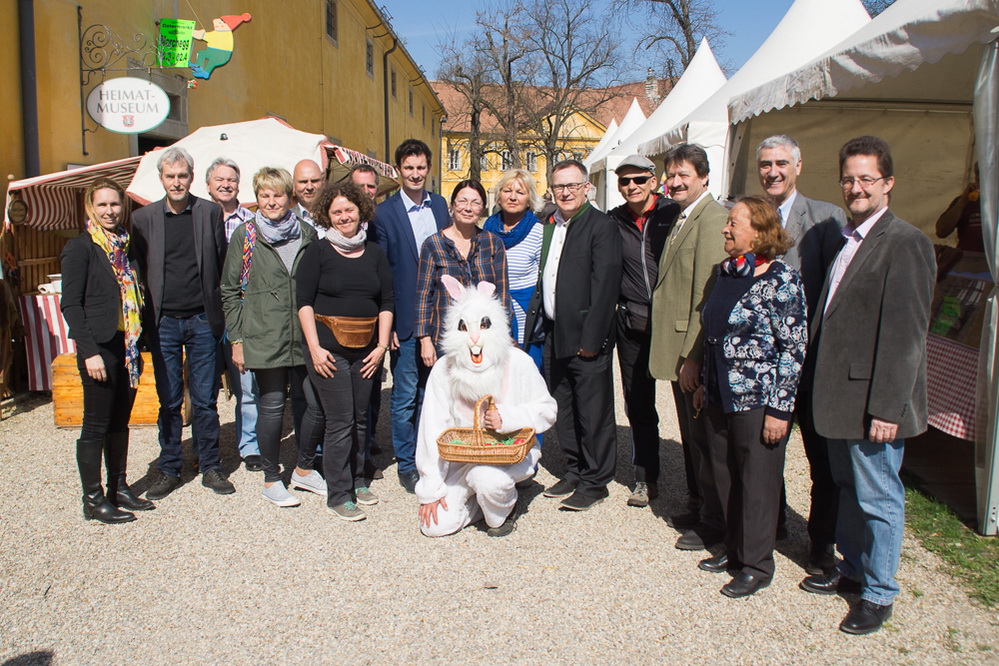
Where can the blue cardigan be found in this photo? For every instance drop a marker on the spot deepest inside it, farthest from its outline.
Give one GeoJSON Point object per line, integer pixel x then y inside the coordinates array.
{"type": "Point", "coordinates": [755, 334]}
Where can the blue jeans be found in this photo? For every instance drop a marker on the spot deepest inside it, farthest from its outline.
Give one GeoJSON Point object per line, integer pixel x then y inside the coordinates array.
{"type": "Point", "coordinates": [168, 343]}
{"type": "Point", "coordinates": [409, 378]}
{"type": "Point", "coordinates": [871, 513]}
{"type": "Point", "coordinates": [244, 387]}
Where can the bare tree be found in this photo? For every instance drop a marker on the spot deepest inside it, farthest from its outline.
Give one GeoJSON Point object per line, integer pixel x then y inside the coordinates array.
{"type": "Point", "coordinates": [674, 28]}
{"type": "Point", "coordinates": [576, 55]}
{"type": "Point", "coordinates": [467, 71]}
{"type": "Point", "coordinates": [875, 7]}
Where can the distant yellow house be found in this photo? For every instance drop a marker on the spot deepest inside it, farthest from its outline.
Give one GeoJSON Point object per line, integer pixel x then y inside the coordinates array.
{"type": "Point", "coordinates": [581, 134]}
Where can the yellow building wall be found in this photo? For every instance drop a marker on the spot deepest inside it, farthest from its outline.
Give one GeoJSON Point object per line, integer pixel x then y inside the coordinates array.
{"type": "Point", "coordinates": [283, 64]}
{"type": "Point", "coordinates": [581, 136]}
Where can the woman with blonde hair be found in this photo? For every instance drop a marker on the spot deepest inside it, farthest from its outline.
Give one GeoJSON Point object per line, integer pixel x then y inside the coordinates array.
{"type": "Point", "coordinates": [520, 230]}
{"type": "Point", "coordinates": [101, 301]}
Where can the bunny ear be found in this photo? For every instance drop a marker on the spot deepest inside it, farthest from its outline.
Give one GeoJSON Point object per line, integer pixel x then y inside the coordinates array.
{"type": "Point", "coordinates": [486, 288]}
{"type": "Point", "coordinates": [454, 288]}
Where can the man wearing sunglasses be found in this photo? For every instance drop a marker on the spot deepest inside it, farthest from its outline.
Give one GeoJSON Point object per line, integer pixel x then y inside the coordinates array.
{"type": "Point", "coordinates": [644, 222]}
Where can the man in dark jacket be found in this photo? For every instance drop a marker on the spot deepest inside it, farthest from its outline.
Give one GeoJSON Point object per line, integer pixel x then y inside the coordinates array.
{"type": "Point", "coordinates": [644, 222]}
{"type": "Point", "coordinates": [575, 301]}
{"type": "Point", "coordinates": [180, 245]}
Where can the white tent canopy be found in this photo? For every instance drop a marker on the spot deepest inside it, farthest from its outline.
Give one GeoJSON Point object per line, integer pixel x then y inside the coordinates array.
{"type": "Point", "coordinates": [702, 78]}
{"type": "Point", "coordinates": [631, 121]}
{"type": "Point", "coordinates": [607, 194]}
{"type": "Point", "coordinates": [604, 140]}
{"type": "Point", "coordinates": [809, 28]}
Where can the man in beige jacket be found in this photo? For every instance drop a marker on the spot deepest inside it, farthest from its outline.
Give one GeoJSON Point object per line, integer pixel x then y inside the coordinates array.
{"type": "Point", "coordinates": [693, 250]}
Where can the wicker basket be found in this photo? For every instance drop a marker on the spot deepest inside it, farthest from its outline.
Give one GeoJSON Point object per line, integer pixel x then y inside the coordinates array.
{"type": "Point", "coordinates": [480, 446]}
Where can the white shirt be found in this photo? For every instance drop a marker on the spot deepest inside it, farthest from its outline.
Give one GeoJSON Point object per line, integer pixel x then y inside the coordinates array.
{"type": "Point", "coordinates": [302, 213]}
{"type": "Point", "coordinates": [784, 210]}
{"type": "Point", "coordinates": [854, 237]}
{"type": "Point", "coordinates": [421, 218]}
{"type": "Point", "coordinates": [683, 216]}
{"type": "Point", "coordinates": [549, 276]}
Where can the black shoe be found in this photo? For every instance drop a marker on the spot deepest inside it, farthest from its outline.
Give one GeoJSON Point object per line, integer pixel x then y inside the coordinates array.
{"type": "Point", "coordinates": [865, 618]}
{"type": "Point", "coordinates": [561, 489]}
{"type": "Point", "coordinates": [214, 480]}
{"type": "Point", "coordinates": [116, 462]}
{"type": "Point", "coordinates": [830, 583]}
{"type": "Point", "coordinates": [508, 526]}
{"type": "Point", "coordinates": [699, 538]}
{"type": "Point", "coordinates": [372, 472]}
{"type": "Point", "coordinates": [105, 512]}
{"type": "Point", "coordinates": [124, 498]}
{"type": "Point", "coordinates": [408, 480]}
{"type": "Point", "coordinates": [743, 585]}
{"type": "Point", "coordinates": [821, 559]}
{"type": "Point", "coordinates": [716, 564]}
{"type": "Point", "coordinates": [684, 521]}
{"type": "Point", "coordinates": [162, 486]}
{"type": "Point", "coordinates": [253, 463]}
{"type": "Point", "coordinates": [580, 502]}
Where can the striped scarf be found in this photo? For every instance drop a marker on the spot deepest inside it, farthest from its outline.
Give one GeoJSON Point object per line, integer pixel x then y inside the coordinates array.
{"type": "Point", "coordinates": [115, 246]}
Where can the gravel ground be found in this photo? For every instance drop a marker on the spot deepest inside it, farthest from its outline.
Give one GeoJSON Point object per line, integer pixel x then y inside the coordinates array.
{"type": "Point", "coordinates": [213, 579]}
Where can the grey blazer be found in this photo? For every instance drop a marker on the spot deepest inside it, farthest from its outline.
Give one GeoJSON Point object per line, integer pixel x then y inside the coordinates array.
{"type": "Point", "coordinates": [815, 227]}
{"type": "Point", "coordinates": [870, 346]}
{"type": "Point", "coordinates": [209, 242]}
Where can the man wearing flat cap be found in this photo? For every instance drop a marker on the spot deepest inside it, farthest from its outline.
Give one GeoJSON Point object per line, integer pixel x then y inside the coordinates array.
{"type": "Point", "coordinates": [644, 222]}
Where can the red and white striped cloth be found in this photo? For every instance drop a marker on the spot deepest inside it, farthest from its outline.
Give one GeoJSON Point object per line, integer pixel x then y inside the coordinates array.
{"type": "Point", "coordinates": [951, 386]}
{"type": "Point", "coordinates": [45, 337]}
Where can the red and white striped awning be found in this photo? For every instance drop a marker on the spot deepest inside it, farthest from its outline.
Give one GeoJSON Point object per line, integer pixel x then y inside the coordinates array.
{"type": "Point", "coordinates": [51, 198]}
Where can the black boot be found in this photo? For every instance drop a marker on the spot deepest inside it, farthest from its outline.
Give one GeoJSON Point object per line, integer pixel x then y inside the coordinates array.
{"type": "Point", "coordinates": [95, 505]}
{"type": "Point", "coordinates": [116, 461]}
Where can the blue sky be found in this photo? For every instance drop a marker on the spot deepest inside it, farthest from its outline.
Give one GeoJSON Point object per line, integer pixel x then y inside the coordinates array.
{"type": "Point", "coordinates": [422, 24]}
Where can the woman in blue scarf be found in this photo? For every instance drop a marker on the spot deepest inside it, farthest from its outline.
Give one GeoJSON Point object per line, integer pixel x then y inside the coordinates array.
{"type": "Point", "coordinates": [519, 229]}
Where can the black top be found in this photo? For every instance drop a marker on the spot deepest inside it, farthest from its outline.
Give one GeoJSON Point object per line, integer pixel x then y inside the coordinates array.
{"type": "Point", "coordinates": [182, 295]}
{"type": "Point", "coordinates": [641, 250]}
{"type": "Point", "coordinates": [91, 296]}
{"type": "Point", "coordinates": [333, 284]}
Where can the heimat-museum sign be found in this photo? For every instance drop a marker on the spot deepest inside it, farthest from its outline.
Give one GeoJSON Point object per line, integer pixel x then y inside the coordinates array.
{"type": "Point", "coordinates": [128, 105]}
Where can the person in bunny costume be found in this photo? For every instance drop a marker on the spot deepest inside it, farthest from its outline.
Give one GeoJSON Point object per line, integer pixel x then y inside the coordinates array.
{"type": "Point", "coordinates": [480, 358]}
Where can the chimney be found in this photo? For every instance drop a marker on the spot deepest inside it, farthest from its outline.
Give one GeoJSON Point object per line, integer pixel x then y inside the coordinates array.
{"type": "Point", "coordinates": [652, 87]}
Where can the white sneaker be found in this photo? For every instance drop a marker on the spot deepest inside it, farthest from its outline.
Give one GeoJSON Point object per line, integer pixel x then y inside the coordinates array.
{"type": "Point", "coordinates": [279, 495]}
{"type": "Point", "coordinates": [312, 482]}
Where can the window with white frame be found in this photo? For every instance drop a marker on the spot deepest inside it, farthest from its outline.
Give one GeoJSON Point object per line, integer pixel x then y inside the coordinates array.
{"type": "Point", "coordinates": [532, 161]}
{"type": "Point", "coordinates": [454, 159]}
{"type": "Point", "coordinates": [507, 160]}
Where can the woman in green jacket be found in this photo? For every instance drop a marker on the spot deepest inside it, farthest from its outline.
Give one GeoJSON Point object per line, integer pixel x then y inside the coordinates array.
{"type": "Point", "coordinates": [258, 296]}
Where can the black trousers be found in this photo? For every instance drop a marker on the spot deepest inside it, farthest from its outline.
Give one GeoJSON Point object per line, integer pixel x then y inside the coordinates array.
{"type": "Point", "coordinates": [583, 388]}
{"type": "Point", "coordinates": [345, 398]}
{"type": "Point", "coordinates": [698, 465]}
{"type": "Point", "coordinates": [825, 493]}
{"type": "Point", "coordinates": [749, 475]}
{"type": "Point", "coordinates": [107, 405]}
{"type": "Point", "coordinates": [639, 400]}
{"type": "Point", "coordinates": [273, 384]}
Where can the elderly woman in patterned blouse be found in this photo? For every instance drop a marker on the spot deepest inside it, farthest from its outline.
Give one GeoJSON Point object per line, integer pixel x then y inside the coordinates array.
{"type": "Point", "coordinates": [755, 335]}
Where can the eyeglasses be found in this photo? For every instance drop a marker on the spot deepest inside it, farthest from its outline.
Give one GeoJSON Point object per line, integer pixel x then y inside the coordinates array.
{"type": "Point", "coordinates": [468, 203]}
{"type": "Point", "coordinates": [625, 181]}
{"type": "Point", "coordinates": [865, 182]}
{"type": "Point", "coordinates": [568, 187]}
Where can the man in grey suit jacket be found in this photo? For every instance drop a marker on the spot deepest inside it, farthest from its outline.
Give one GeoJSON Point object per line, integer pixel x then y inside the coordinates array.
{"type": "Point", "coordinates": [815, 228]}
{"type": "Point", "coordinates": [869, 386]}
{"type": "Point", "coordinates": [180, 246]}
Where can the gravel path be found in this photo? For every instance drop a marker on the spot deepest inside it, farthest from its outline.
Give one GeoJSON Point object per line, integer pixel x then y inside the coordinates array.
{"type": "Point", "coordinates": [210, 579]}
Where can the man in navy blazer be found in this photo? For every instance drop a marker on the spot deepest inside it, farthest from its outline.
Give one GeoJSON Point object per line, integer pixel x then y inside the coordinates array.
{"type": "Point", "coordinates": [815, 228]}
{"type": "Point", "coordinates": [180, 245]}
{"type": "Point", "coordinates": [402, 222]}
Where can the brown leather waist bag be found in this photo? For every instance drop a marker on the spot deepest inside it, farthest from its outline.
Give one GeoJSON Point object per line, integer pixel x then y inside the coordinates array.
{"type": "Point", "coordinates": [351, 332]}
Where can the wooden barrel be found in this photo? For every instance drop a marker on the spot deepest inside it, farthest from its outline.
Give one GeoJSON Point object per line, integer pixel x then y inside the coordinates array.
{"type": "Point", "coordinates": [67, 394]}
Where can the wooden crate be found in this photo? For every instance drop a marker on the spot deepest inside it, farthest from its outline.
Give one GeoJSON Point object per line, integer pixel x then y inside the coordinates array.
{"type": "Point", "coordinates": [67, 394]}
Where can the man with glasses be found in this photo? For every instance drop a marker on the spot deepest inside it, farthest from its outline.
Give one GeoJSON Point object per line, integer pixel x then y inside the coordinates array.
{"type": "Point", "coordinates": [869, 385]}
{"type": "Point", "coordinates": [814, 226]}
{"type": "Point", "coordinates": [574, 305]}
{"type": "Point", "coordinates": [644, 222]}
{"type": "Point", "coordinates": [222, 178]}
{"type": "Point", "coordinates": [693, 250]}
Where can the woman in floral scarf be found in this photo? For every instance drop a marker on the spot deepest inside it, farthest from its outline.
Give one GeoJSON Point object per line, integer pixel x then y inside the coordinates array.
{"type": "Point", "coordinates": [101, 301]}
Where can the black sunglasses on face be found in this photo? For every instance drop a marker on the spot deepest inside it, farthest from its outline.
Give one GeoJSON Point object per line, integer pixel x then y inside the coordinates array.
{"type": "Point", "coordinates": [624, 181]}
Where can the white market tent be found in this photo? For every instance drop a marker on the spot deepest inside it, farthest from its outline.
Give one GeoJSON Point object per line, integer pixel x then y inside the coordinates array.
{"type": "Point", "coordinates": [631, 121]}
{"type": "Point", "coordinates": [923, 75]}
{"type": "Point", "coordinates": [700, 79]}
{"type": "Point", "coordinates": [809, 29]}
{"type": "Point", "coordinates": [604, 140]}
